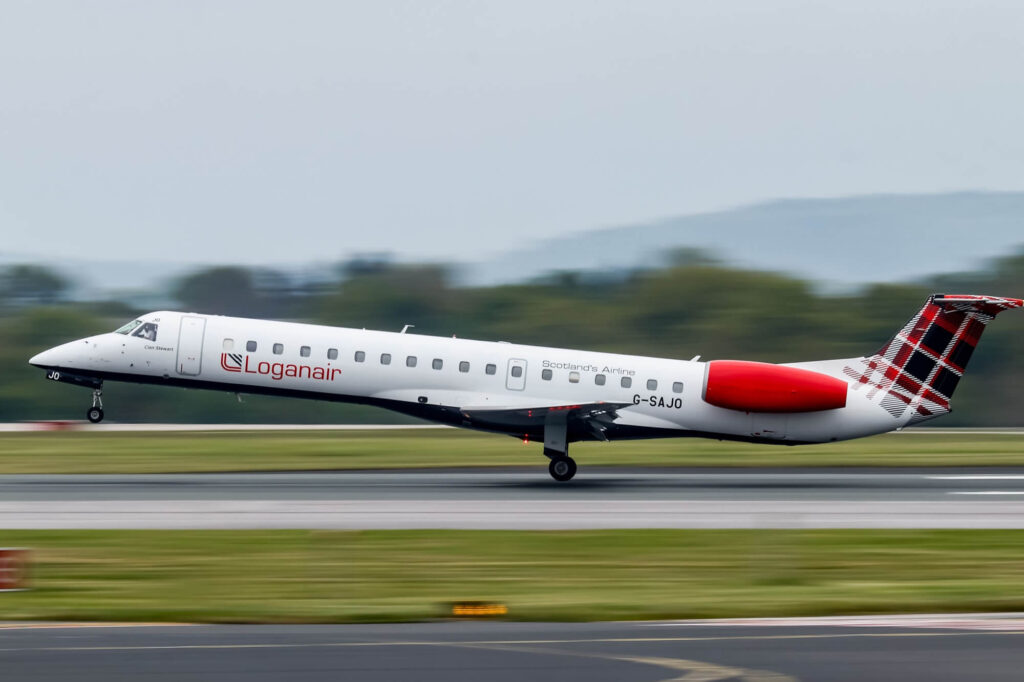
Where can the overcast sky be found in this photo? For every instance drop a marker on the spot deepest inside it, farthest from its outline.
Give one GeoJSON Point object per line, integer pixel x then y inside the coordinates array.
{"type": "Point", "coordinates": [289, 131]}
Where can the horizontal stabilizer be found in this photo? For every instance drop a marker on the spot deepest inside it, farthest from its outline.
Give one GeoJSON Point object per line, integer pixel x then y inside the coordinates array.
{"type": "Point", "coordinates": [993, 305]}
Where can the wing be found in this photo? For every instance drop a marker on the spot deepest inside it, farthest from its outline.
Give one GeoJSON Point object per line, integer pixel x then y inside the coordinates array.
{"type": "Point", "coordinates": [594, 417]}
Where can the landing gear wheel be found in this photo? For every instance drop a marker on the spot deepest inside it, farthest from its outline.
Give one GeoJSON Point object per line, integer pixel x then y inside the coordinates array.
{"type": "Point", "coordinates": [562, 468]}
{"type": "Point", "coordinates": [95, 413]}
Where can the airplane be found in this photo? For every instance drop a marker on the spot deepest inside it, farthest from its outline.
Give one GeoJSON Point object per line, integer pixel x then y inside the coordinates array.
{"type": "Point", "coordinates": [551, 395]}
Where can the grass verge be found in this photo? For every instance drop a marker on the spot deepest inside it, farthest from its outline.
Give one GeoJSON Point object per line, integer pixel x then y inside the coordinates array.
{"type": "Point", "coordinates": [132, 452]}
{"type": "Point", "coordinates": [339, 576]}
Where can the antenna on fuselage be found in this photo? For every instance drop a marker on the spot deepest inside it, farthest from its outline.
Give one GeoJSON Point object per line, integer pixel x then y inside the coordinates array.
{"type": "Point", "coordinates": [406, 328]}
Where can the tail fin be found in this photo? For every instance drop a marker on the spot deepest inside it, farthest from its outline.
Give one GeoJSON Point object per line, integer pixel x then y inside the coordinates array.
{"type": "Point", "coordinates": [918, 369]}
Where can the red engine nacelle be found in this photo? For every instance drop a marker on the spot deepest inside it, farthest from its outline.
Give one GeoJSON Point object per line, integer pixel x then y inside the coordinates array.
{"type": "Point", "coordinates": [762, 387]}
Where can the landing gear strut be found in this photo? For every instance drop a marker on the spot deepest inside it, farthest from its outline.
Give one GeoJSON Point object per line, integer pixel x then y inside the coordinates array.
{"type": "Point", "coordinates": [95, 413]}
{"type": "Point", "coordinates": [556, 446]}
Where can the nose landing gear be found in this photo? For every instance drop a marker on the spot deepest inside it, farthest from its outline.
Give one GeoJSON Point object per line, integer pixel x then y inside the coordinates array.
{"type": "Point", "coordinates": [95, 413]}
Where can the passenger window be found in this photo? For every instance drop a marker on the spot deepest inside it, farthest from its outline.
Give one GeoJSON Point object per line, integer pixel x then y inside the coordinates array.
{"type": "Point", "coordinates": [360, 356]}
{"type": "Point", "coordinates": [332, 353]}
{"type": "Point", "coordinates": [677, 387]}
{"type": "Point", "coordinates": [410, 361]}
{"type": "Point", "coordinates": [599, 379]}
{"type": "Point", "coordinates": [229, 344]}
{"type": "Point", "coordinates": [438, 363]}
{"type": "Point", "coordinates": [652, 384]}
{"type": "Point", "coordinates": [626, 382]}
{"type": "Point", "coordinates": [517, 371]}
{"type": "Point", "coordinates": [491, 369]}
{"type": "Point", "coordinates": [250, 346]}
{"type": "Point", "coordinates": [146, 331]}
{"type": "Point", "coordinates": [545, 375]}
{"type": "Point", "coordinates": [278, 348]}
{"type": "Point", "coordinates": [574, 377]}
{"type": "Point", "coordinates": [463, 366]}
{"type": "Point", "coordinates": [385, 358]}
{"type": "Point", "coordinates": [304, 351]}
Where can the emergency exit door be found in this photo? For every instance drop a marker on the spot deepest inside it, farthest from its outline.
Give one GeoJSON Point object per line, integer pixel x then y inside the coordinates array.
{"type": "Point", "coordinates": [515, 380]}
{"type": "Point", "coordinates": [190, 345]}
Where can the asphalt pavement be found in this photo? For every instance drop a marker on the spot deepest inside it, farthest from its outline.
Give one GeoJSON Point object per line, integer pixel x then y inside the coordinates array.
{"type": "Point", "coordinates": [971, 648]}
{"type": "Point", "coordinates": [522, 499]}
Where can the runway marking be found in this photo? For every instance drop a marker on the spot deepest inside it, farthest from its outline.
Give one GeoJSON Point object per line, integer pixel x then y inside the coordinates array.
{"type": "Point", "coordinates": [700, 671]}
{"type": "Point", "coordinates": [1003, 622]}
{"type": "Point", "coordinates": [693, 671]}
{"type": "Point", "coordinates": [514, 642]}
{"type": "Point", "coordinates": [977, 477]}
{"type": "Point", "coordinates": [987, 492]}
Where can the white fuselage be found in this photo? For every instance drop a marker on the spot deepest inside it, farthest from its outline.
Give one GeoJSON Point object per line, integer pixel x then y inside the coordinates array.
{"type": "Point", "coordinates": [440, 378]}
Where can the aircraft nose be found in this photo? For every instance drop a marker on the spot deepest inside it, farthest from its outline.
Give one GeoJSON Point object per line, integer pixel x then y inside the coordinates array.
{"type": "Point", "coordinates": [71, 355]}
{"type": "Point", "coordinates": [45, 359]}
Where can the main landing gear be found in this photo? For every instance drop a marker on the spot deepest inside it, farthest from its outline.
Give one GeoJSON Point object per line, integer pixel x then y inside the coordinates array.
{"type": "Point", "coordinates": [556, 446]}
{"type": "Point", "coordinates": [562, 468]}
{"type": "Point", "coordinates": [95, 413]}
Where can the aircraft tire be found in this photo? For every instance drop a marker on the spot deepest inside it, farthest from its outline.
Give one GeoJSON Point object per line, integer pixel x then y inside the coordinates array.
{"type": "Point", "coordinates": [562, 468]}
{"type": "Point", "coordinates": [95, 415]}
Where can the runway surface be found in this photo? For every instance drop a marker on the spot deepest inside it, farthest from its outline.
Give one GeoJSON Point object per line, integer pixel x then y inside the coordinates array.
{"type": "Point", "coordinates": [979, 649]}
{"type": "Point", "coordinates": [522, 499]}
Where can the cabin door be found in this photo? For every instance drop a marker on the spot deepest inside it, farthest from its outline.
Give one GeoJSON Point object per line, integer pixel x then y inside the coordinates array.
{"type": "Point", "coordinates": [515, 380]}
{"type": "Point", "coordinates": [190, 345]}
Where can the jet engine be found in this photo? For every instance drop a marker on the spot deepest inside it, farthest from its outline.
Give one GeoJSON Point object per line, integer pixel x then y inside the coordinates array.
{"type": "Point", "coordinates": [763, 387]}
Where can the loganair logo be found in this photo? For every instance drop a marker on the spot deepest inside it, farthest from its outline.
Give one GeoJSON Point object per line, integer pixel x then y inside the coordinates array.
{"type": "Point", "coordinates": [231, 362]}
{"type": "Point", "coordinates": [236, 362]}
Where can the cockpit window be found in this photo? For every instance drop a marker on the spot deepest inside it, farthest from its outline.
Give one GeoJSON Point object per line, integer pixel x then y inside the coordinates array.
{"type": "Point", "coordinates": [128, 327]}
{"type": "Point", "coordinates": [146, 331]}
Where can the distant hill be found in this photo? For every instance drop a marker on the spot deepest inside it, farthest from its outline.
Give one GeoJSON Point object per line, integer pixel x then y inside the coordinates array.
{"type": "Point", "coordinates": [837, 242]}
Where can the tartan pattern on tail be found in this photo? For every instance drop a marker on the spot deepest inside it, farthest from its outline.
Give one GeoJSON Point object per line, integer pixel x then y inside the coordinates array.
{"type": "Point", "coordinates": [919, 369]}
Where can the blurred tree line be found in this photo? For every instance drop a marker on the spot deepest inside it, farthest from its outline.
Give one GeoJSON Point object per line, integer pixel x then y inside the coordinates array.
{"type": "Point", "coordinates": [691, 306]}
